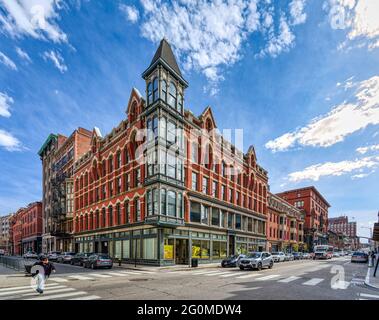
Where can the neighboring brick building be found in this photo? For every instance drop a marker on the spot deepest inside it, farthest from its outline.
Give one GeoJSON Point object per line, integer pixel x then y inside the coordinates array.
{"type": "Point", "coordinates": [341, 225]}
{"type": "Point", "coordinates": [285, 226]}
{"type": "Point", "coordinates": [5, 225]}
{"type": "Point", "coordinates": [17, 233]}
{"type": "Point", "coordinates": [196, 196]}
{"type": "Point", "coordinates": [31, 218]}
{"type": "Point", "coordinates": [315, 208]}
{"type": "Point", "coordinates": [58, 155]}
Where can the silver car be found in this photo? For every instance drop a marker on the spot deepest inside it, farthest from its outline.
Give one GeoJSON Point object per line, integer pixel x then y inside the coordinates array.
{"type": "Point", "coordinates": [257, 260]}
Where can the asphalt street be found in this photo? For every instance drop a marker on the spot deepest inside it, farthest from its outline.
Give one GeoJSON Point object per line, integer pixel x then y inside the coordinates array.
{"type": "Point", "coordinates": [296, 280]}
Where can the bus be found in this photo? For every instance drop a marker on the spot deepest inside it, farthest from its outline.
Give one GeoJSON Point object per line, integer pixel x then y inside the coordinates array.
{"type": "Point", "coordinates": [323, 252]}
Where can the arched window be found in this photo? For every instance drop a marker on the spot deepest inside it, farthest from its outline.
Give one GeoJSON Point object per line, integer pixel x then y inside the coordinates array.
{"type": "Point", "coordinates": [137, 209]}
{"type": "Point", "coordinates": [104, 168]}
{"type": "Point", "coordinates": [103, 217]}
{"type": "Point", "coordinates": [126, 212]}
{"type": "Point", "coordinates": [118, 160]}
{"type": "Point", "coordinates": [118, 214]}
{"type": "Point", "coordinates": [133, 112]}
{"type": "Point", "coordinates": [126, 156]}
{"type": "Point", "coordinates": [155, 90]}
{"type": "Point", "coordinates": [172, 95]}
{"type": "Point", "coordinates": [149, 93]}
{"type": "Point", "coordinates": [164, 90]}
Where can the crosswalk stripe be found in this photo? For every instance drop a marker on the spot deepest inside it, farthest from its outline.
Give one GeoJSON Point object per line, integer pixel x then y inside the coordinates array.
{"type": "Point", "coordinates": [80, 277]}
{"type": "Point", "coordinates": [26, 287]}
{"type": "Point", "coordinates": [289, 279]}
{"type": "Point", "coordinates": [313, 282]}
{"type": "Point", "coordinates": [231, 274]}
{"type": "Point", "coordinates": [100, 275]}
{"type": "Point", "coordinates": [26, 292]}
{"type": "Point", "coordinates": [59, 280]}
{"type": "Point", "coordinates": [268, 277]}
{"type": "Point", "coordinates": [86, 298]}
{"type": "Point", "coordinates": [249, 276]}
{"type": "Point", "coordinates": [12, 292]}
{"type": "Point", "coordinates": [204, 272]}
{"type": "Point", "coordinates": [369, 295]}
{"type": "Point", "coordinates": [59, 296]}
{"type": "Point", "coordinates": [341, 285]}
{"type": "Point", "coordinates": [215, 274]}
{"type": "Point", "coordinates": [47, 292]}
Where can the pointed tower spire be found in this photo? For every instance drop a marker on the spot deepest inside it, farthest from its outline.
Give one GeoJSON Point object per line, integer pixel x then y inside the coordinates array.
{"type": "Point", "coordinates": [165, 56]}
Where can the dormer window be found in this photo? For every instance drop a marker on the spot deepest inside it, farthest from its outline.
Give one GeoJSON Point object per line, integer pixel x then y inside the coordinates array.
{"type": "Point", "coordinates": [172, 95]}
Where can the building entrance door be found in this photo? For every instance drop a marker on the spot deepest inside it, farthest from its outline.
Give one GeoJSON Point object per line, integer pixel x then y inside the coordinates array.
{"type": "Point", "coordinates": [104, 247]}
{"type": "Point", "coordinates": [181, 251]}
{"type": "Point", "coordinates": [231, 245]}
{"type": "Point", "coordinates": [96, 250]}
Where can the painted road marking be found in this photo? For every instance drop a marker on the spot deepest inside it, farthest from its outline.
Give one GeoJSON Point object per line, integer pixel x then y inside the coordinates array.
{"type": "Point", "coordinates": [269, 277]}
{"type": "Point", "coordinates": [216, 274]}
{"type": "Point", "coordinates": [26, 287]}
{"type": "Point", "coordinates": [116, 274]}
{"type": "Point", "coordinates": [86, 298]}
{"type": "Point", "coordinates": [249, 276]}
{"type": "Point", "coordinates": [59, 280]}
{"type": "Point", "coordinates": [100, 275]}
{"type": "Point", "coordinates": [60, 296]}
{"type": "Point", "coordinates": [31, 291]}
{"type": "Point", "coordinates": [289, 279]}
{"type": "Point", "coordinates": [80, 277]}
{"type": "Point", "coordinates": [313, 282]}
{"type": "Point", "coordinates": [18, 291]}
{"type": "Point", "coordinates": [366, 295]}
{"type": "Point", "coordinates": [231, 274]}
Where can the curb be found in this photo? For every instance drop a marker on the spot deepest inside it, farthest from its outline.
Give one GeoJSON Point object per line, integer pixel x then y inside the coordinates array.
{"type": "Point", "coordinates": [371, 285]}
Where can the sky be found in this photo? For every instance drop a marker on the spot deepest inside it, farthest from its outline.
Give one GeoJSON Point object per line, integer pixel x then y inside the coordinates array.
{"type": "Point", "coordinates": [299, 77]}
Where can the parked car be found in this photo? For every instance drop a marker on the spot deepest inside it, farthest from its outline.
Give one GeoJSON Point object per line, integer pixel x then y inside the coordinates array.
{"type": "Point", "coordinates": [256, 260]}
{"type": "Point", "coordinates": [2, 252]}
{"type": "Point", "coordinates": [288, 257]}
{"type": "Point", "coordinates": [30, 255]}
{"type": "Point", "coordinates": [359, 256]}
{"type": "Point", "coordinates": [278, 256]}
{"type": "Point", "coordinates": [99, 260]}
{"type": "Point", "coordinates": [80, 258]}
{"type": "Point", "coordinates": [336, 254]}
{"type": "Point", "coordinates": [306, 255]}
{"type": "Point", "coordinates": [53, 255]}
{"type": "Point", "coordinates": [65, 257]}
{"type": "Point", "coordinates": [297, 256]}
{"type": "Point", "coordinates": [232, 261]}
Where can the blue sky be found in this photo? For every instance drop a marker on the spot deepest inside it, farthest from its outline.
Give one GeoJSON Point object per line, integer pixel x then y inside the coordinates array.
{"type": "Point", "coordinates": [300, 77]}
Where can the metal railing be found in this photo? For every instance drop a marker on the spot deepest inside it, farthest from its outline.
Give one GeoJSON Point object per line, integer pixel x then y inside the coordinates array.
{"type": "Point", "coordinates": [15, 263]}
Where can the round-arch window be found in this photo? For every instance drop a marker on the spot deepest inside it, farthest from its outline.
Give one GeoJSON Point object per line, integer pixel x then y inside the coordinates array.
{"type": "Point", "coordinates": [172, 95]}
{"type": "Point", "coordinates": [155, 89]}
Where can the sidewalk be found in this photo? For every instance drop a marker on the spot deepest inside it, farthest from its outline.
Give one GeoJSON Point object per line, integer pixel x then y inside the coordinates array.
{"type": "Point", "coordinates": [370, 280]}
{"type": "Point", "coordinates": [131, 266]}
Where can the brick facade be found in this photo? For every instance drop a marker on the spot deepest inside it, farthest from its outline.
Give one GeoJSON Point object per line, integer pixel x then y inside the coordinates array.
{"type": "Point", "coordinates": [315, 208]}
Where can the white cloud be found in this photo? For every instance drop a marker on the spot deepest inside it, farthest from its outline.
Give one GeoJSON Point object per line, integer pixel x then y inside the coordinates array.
{"type": "Point", "coordinates": [315, 172]}
{"type": "Point", "coordinates": [208, 35]}
{"type": "Point", "coordinates": [56, 58]}
{"type": "Point", "coordinates": [364, 150]}
{"type": "Point", "coordinates": [341, 121]}
{"type": "Point", "coordinates": [297, 11]}
{"type": "Point", "coordinates": [9, 142]}
{"type": "Point", "coordinates": [7, 61]}
{"type": "Point", "coordinates": [5, 102]}
{"type": "Point", "coordinates": [358, 17]}
{"type": "Point", "coordinates": [131, 12]}
{"type": "Point", "coordinates": [23, 55]}
{"type": "Point", "coordinates": [35, 18]}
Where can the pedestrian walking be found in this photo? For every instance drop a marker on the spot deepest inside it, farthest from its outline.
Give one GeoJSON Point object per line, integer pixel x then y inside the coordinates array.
{"type": "Point", "coordinates": [42, 272]}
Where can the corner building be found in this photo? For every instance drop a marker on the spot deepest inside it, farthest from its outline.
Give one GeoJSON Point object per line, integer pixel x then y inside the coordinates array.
{"type": "Point", "coordinates": [175, 192]}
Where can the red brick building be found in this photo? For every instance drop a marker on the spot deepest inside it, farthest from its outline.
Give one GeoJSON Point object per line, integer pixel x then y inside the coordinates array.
{"type": "Point", "coordinates": [58, 155]}
{"type": "Point", "coordinates": [164, 185]}
{"type": "Point", "coordinates": [27, 229]}
{"type": "Point", "coordinates": [285, 226]}
{"type": "Point", "coordinates": [315, 208]}
{"type": "Point", "coordinates": [31, 219]}
{"type": "Point", "coordinates": [341, 225]}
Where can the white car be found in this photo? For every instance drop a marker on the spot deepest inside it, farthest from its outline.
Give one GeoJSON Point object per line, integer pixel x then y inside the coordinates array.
{"type": "Point", "coordinates": [336, 254]}
{"type": "Point", "coordinates": [278, 256]}
{"type": "Point", "coordinates": [30, 255]}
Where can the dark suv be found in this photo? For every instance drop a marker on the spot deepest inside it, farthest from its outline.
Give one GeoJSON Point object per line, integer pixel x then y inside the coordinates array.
{"type": "Point", "coordinates": [80, 258]}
